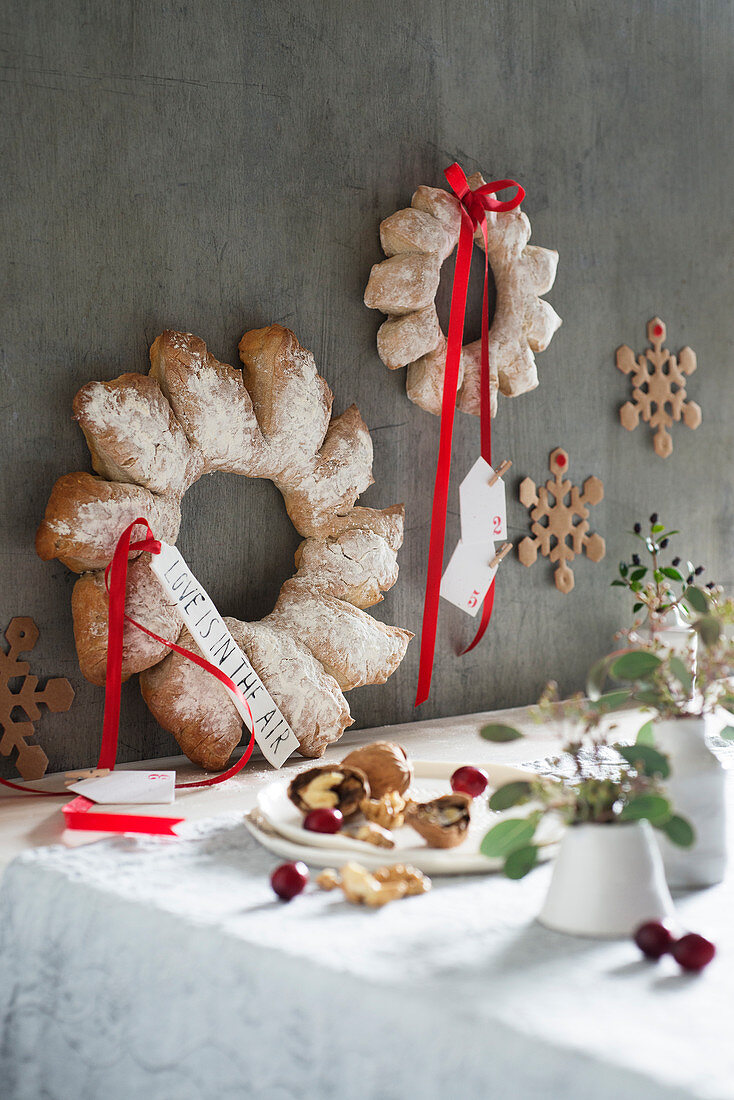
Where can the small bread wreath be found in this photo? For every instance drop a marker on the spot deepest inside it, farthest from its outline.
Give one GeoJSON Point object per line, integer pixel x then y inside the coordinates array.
{"type": "Point", "coordinates": [417, 241]}
{"type": "Point", "coordinates": [150, 437]}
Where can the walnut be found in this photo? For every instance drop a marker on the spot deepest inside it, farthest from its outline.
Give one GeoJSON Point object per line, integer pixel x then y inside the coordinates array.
{"type": "Point", "coordinates": [371, 834]}
{"type": "Point", "coordinates": [416, 882]}
{"type": "Point", "coordinates": [362, 888]}
{"type": "Point", "coordinates": [331, 786]}
{"type": "Point", "coordinates": [386, 766]}
{"type": "Point", "coordinates": [328, 879]}
{"type": "Point", "coordinates": [443, 822]}
{"type": "Point", "coordinates": [375, 889]}
{"type": "Point", "coordinates": [386, 811]}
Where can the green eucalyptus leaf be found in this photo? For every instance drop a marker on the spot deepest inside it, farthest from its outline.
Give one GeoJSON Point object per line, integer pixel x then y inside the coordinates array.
{"type": "Point", "coordinates": [696, 598]}
{"type": "Point", "coordinates": [649, 697]}
{"type": "Point", "coordinates": [618, 584]}
{"type": "Point", "coordinates": [708, 629]}
{"type": "Point", "coordinates": [522, 860]}
{"type": "Point", "coordinates": [657, 528]}
{"type": "Point", "coordinates": [646, 734]}
{"type": "Point", "coordinates": [637, 665]}
{"type": "Point", "coordinates": [652, 807]}
{"type": "Point", "coordinates": [637, 607]}
{"type": "Point", "coordinates": [506, 837]}
{"type": "Point", "coordinates": [510, 794]}
{"type": "Point", "coordinates": [678, 831]}
{"type": "Point", "coordinates": [496, 731]}
{"type": "Point", "coordinates": [657, 576]}
{"type": "Point", "coordinates": [646, 759]}
{"type": "Point", "coordinates": [671, 573]}
{"type": "Point", "coordinates": [635, 586]}
{"type": "Point", "coordinates": [611, 700]}
{"type": "Point", "coordinates": [638, 574]}
{"type": "Point", "coordinates": [623, 568]}
{"type": "Point", "coordinates": [681, 673]}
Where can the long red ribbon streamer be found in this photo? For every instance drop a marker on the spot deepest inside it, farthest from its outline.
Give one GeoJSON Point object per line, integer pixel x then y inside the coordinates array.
{"type": "Point", "coordinates": [473, 206]}
{"type": "Point", "coordinates": [77, 811]}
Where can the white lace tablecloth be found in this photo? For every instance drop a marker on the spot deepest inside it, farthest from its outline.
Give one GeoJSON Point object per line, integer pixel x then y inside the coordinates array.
{"type": "Point", "coordinates": [164, 969]}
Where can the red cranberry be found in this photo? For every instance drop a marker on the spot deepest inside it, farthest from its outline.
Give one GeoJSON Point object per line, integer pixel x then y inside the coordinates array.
{"type": "Point", "coordinates": [289, 879]}
{"type": "Point", "coordinates": [654, 939]}
{"type": "Point", "coordinates": [468, 780]}
{"type": "Point", "coordinates": [693, 952]}
{"type": "Point", "coordinates": [323, 820]}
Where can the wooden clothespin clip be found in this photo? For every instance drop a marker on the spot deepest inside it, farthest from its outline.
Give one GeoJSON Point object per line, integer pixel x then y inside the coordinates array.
{"type": "Point", "coordinates": [85, 773]}
{"type": "Point", "coordinates": [501, 553]}
{"type": "Point", "coordinates": [504, 467]}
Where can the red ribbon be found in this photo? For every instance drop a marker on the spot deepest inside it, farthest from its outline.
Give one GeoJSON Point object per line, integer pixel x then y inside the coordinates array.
{"type": "Point", "coordinates": [473, 206]}
{"type": "Point", "coordinates": [77, 810]}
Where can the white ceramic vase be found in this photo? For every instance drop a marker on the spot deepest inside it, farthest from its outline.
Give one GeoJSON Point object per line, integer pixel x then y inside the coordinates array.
{"type": "Point", "coordinates": [676, 635]}
{"type": "Point", "coordinates": [607, 880]}
{"type": "Point", "coordinates": [697, 789]}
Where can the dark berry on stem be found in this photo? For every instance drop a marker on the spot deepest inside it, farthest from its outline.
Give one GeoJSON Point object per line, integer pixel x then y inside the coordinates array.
{"type": "Point", "coordinates": [637, 528]}
{"type": "Point", "coordinates": [323, 820]}
{"type": "Point", "coordinates": [468, 780]}
{"type": "Point", "coordinates": [654, 939]}
{"type": "Point", "coordinates": [693, 952]}
{"type": "Point", "coordinates": [698, 570]}
{"type": "Point", "coordinates": [289, 879]}
{"type": "Point", "coordinates": [676, 561]}
{"type": "Point", "coordinates": [635, 559]}
{"type": "Point", "coordinates": [710, 585]}
{"type": "Point", "coordinates": [663, 543]}
{"type": "Point", "coordinates": [654, 517]}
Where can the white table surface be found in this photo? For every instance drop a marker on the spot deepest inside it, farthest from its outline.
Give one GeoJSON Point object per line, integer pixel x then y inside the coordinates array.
{"type": "Point", "coordinates": [164, 968]}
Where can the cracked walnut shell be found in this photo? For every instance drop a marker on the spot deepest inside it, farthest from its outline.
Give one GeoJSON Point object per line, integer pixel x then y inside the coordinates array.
{"type": "Point", "coordinates": [329, 785]}
{"type": "Point", "coordinates": [385, 764]}
{"type": "Point", "coordinates": [442, 822]}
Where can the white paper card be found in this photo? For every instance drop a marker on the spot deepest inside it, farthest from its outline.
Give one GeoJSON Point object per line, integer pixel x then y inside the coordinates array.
{"type": "Point", "coordinates": [483, 507]}
{"type": "Point", "coordinates": [468, 575]}
{"type": "Point", "coordinates": [273, 734]}
{"type": "Point", "coordinates": [128, 787]}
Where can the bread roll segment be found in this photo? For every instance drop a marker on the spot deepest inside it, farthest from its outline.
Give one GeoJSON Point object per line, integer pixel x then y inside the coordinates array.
{"type": "Point", "coordinates": [151, 437]}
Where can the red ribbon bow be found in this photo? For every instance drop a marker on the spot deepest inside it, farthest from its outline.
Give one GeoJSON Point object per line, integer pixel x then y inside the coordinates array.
{"type": "Point", "coordinates": [76, 811]}
{"type": "Point", "coordinates": [473, 206]}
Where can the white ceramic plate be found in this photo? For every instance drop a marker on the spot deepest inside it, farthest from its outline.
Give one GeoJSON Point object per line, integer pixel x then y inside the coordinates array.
{"type": "Point", "coordinates": [278, 827]}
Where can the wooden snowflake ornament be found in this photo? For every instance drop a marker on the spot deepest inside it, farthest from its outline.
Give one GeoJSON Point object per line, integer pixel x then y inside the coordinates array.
{"type": "Point", "coordinates": [57, 695]}
{"type": "Point", "coordinates": [659, 394]}
{"type": "Point", "coordinates": [564, 508]}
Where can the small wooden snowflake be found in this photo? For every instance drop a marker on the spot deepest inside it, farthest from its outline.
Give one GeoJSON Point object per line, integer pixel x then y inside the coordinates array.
{"type": "Point", "coordinates": [19, 709]}
{"type": "Point", "coordinates": [658, 388]}
{"type": "Point", "coordinates": [564, 508]}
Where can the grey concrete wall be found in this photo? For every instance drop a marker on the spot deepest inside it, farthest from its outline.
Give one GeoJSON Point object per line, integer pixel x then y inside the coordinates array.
{"type": "Point", "coordinates": [215, 166]}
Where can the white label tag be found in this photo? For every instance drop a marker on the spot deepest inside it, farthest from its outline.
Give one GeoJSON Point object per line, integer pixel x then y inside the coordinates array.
{"type": "Point", "coordinates": [468, 575]}
{"type": "Point", "coordinates": [483, 507]}
{"type": "Point", "coordinates": [128, 787]}
{"type": "Point", "coordinates": [273, 734]}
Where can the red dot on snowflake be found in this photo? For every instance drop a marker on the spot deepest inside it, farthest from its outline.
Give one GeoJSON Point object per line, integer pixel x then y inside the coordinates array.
{"type": "Point", "coordinates": [658, 330]}
{"type": "Point", "coordinates": [560, 460]}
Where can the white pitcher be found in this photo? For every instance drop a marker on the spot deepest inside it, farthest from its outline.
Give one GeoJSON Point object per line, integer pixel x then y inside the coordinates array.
{"type": "Point", "coordinates": [697, 789]}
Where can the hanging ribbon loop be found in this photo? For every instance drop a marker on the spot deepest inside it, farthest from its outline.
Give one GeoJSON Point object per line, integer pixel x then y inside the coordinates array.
{"type": "Point", "coordinates": [473, 205]}
{"type": "Point", "coordinates": [116, 584]}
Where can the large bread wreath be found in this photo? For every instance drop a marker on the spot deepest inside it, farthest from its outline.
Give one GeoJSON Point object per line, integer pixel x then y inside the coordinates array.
{"type": "Point", "coordinates": [150, 437]}
{"type": "Point", "coordinates": [417, 241]}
